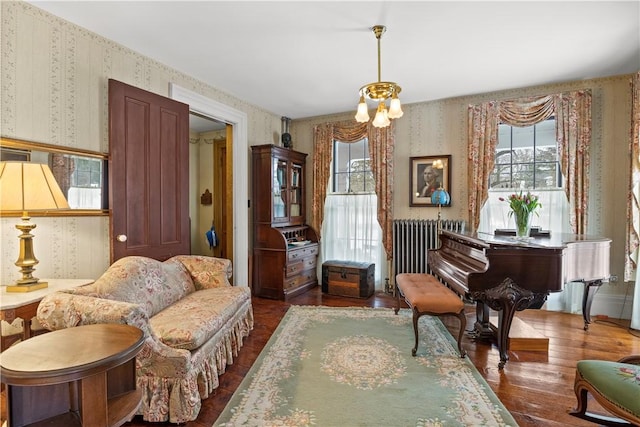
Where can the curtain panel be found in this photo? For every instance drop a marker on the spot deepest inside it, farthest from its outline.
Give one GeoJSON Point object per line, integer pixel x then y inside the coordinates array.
{"type": "Point", "coordinates": [381, 143]}
{"type": "Point", "coordinates": [633, 203]}
{"type": "Point", "coordinates": [573, 135]}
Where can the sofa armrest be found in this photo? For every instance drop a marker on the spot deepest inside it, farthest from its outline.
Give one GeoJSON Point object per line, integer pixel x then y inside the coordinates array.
{"type": "Point", "coordinates": [63, 310]}
{"type": "Point", "coordinates": [205, 271]}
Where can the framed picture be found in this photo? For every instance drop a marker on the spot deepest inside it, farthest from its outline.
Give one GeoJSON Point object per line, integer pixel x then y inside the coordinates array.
{"type": "Point", "coordinates": [427, 174]}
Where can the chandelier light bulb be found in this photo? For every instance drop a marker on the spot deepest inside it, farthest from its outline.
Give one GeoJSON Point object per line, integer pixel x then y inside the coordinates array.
{"type": "Point", "coordinates": [395, 110]}
{"type": "Point", "coordinates": [362, 116]}
{"type": "Point", "coordinates": [381, 119]}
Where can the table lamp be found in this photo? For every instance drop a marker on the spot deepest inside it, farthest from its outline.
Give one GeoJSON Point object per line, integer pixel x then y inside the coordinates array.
{"type": "Point", "coordinates": [440, 197]}
{"type": "Point", "coordinates": [28, 187]}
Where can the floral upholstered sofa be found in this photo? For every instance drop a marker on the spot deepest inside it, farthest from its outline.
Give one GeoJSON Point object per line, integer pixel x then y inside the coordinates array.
{"type": "Point", "coordinates": [193, 319]}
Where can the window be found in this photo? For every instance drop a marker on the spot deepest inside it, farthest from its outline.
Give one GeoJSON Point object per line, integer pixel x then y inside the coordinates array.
{"type": "Point", "coordinates": [87, 172]}
{"type": "Point", "coordinates": [86, 182]}
{"type": "Point", "coordinates": [527, 157]}
{"type": "Point", "coordinates": [352, 168]}
{"type": "Point", "coordinates": [350, 229]}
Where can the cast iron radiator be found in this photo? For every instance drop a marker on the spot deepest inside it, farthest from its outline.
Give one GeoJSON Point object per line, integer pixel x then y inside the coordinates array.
{"type": "Point", "coordinates": [412, 238]}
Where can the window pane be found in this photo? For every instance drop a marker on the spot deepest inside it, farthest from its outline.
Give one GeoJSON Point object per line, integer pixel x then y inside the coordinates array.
{"type": "Point", "coordinates": [504, 137]}
{"type": "Point", "coordinates": [547, 175]}
{"type": "Point", "coordinates": [357, 182]}
{"type": "Point", "coordinates": [352, 168]}
{"type": "Point", "coordinates": [340, 181]}
{"type": "Point", "coordinates": [522, 137]}
{"type": "Point", "coordinates": [359, 150]}
{"type": "Point", "coordinates": [504, 157]}
{"type": "Point", "coordinates": [523, 176]}
{"type": "Point", "coordinates": [546, 134]}
{"type": "Point", "coordinates": [501, 178]}
{"type": "Point", "coordinates": [341, 157]}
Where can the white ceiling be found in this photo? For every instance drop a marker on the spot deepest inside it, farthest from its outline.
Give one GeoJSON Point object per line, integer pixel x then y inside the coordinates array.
{"type": "Point", "coordinates": [301, 58]}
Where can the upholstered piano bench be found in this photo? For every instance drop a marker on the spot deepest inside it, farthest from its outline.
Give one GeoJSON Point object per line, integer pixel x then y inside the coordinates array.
{"type": "Point", "coordinates": [426, 295]}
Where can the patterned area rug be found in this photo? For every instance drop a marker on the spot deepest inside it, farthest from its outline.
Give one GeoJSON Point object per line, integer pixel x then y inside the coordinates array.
{"type": "Point", "coordinates": [347, 367]}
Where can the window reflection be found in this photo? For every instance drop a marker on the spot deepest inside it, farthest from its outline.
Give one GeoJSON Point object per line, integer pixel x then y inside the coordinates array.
{"type": "Point", "coordinates": [80, 174]}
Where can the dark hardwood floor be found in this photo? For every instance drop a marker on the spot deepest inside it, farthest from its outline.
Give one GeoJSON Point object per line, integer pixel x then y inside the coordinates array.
{"type": "Point", "coordinates": [536, 387]}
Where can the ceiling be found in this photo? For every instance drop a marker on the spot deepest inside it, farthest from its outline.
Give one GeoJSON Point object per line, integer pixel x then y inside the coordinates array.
{"type": "Point", "coordinates": [302, 58]}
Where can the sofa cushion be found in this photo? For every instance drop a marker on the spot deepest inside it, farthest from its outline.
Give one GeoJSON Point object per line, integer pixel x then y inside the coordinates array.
{"type": "Point", "coordinates": [206, 272]}
{"type": "Point", "coordinates": [194, 319]}
{"type": "Point", "coordinates": [153, 284]}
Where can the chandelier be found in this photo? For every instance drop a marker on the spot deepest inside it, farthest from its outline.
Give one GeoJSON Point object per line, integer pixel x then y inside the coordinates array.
{"type": "Point", "coordinates": [379, 91]}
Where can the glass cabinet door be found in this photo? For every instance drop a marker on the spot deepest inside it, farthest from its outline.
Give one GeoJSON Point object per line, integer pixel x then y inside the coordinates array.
{"type": "Point", "coordinates": [279, 188]}
{"type": "Point", "coordinates": [295, 197]}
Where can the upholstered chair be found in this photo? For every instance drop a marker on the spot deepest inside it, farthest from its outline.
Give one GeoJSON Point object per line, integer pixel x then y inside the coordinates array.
{"type": "Point", "coordinates": [614, 385]}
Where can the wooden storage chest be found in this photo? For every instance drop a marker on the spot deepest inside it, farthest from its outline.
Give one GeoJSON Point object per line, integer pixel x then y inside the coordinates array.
{"type": "Point", "coordinates": [348, 278]}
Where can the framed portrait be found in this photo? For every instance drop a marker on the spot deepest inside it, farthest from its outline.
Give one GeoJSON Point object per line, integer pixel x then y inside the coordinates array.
{"type": "Point", "coordinates": [427, 174]}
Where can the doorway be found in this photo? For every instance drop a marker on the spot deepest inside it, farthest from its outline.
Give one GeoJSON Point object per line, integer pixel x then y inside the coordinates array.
{"type": "Point", "coordinates": [238, 161]}
{"type": "Point", "coordinates": [210, 182]}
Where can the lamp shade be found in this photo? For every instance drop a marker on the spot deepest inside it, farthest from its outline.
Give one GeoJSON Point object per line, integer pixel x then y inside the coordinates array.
{"type": "Point", "coordinates": [29, 187]}
{"type": "Point", "coordinates": [440, 197]}
{"type": "Point", "coordinates": [362, 116]}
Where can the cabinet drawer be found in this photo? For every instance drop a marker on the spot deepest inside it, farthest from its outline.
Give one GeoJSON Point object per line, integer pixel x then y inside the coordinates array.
{"type": "Point", "coordinates": [300, 279]}
{"type": "Point", "coordinates": [296, 267]}
{"type": "Point", "coordinates": [304, 252]}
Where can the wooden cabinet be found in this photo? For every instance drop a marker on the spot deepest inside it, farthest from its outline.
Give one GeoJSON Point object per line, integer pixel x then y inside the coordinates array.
{"type": "Point", "coordinates": [285, 249]}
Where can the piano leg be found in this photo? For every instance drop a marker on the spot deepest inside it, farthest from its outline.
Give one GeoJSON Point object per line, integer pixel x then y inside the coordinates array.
{"type": "Point", "coordinates": [587, 299]}
{"type": "Point", "coordinates": [482, 328]}
{"type": "Point", "coordinates": [506, 299]}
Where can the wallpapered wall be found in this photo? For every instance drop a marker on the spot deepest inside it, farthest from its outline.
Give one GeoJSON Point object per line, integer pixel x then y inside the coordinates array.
{"type": "Point", "coordinates": [440, 127]}
{"type": "Point", "coordinates": [55, 90]}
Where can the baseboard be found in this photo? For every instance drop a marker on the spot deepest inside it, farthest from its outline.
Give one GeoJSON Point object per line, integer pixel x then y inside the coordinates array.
{"type": "Point", "coordinates": [613, 306]}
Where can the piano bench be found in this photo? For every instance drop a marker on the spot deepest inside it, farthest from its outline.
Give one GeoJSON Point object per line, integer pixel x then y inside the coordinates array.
{"type": "Point", "coordinates": [426, 295]}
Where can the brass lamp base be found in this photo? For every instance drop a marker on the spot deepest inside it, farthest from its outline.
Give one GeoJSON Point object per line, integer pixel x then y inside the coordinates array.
{"type": "Point", "coordinates": [28, 287]}
{"type": "Point", "coordinates": [26, 260]}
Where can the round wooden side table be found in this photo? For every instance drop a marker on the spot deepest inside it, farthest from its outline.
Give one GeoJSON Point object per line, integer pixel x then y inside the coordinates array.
{"type": "Point", "coordinates": [82, 376]}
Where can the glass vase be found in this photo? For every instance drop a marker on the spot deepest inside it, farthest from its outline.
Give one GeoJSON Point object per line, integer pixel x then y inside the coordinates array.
{"type": "Point", "coordinates": [523, 224]}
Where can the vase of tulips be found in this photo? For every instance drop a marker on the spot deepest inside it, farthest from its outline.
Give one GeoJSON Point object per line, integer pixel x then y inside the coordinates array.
{"type": "Point", "coordinates": [523, 206]}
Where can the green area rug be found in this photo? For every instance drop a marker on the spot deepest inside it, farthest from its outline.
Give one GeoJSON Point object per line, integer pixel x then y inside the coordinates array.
{"type": "Point", "coordinates": [348, 367]}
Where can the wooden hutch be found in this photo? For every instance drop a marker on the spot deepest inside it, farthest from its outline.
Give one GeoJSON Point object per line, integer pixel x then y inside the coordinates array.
{"type": "Point", "coordinates": [285, 249]}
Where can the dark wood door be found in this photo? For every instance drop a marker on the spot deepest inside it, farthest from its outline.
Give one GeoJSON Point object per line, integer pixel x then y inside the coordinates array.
{"type": "Point", "coordinates": [148, 173]}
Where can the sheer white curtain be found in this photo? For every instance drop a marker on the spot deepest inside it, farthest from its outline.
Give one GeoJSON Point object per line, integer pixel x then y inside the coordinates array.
{"type": "Point", "coordinates": [633, 204]}
{"type": "Point", "coordinates": [553, 216]}
{"type": "Point", "coordinates": [350, 232]}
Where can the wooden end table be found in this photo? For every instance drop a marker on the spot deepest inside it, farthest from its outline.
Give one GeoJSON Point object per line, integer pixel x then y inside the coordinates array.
{"type": "Point", "coordinates": [82, 376]}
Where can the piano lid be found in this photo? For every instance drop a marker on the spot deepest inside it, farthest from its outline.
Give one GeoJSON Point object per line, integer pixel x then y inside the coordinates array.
{"type": "Point", "coordinates": [585, 257]}
{"type": "Point", "coordinates": [552, 241]}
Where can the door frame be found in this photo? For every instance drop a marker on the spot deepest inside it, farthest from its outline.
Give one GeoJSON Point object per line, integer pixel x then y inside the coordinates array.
{"type": "Point", "coordinates": [240, 148]}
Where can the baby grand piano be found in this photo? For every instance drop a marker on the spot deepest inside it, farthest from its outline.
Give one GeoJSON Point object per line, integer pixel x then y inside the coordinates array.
{"type": "Point", "coordinates": [509, 275]}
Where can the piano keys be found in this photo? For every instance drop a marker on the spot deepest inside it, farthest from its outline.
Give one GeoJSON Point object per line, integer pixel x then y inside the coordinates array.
{"type": "Point", "coordinates": [509, 275]}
